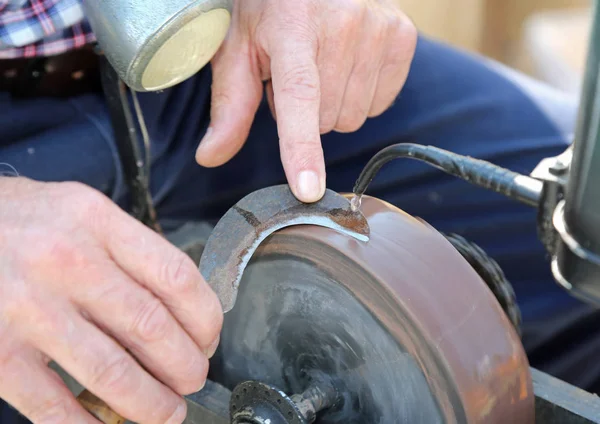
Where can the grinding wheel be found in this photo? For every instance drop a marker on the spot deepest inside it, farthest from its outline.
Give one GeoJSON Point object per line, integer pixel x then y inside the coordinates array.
{"type": "Point", "coordinates": [404, 325]}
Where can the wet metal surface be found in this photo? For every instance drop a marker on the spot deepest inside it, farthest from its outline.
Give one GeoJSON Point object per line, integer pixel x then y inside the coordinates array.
{"type": "Point", "coordinates": [402, 319]}
{"type": "Point", "coordinates": [241, 230]}
{"type": "Point", "coordinates": [292, 324]}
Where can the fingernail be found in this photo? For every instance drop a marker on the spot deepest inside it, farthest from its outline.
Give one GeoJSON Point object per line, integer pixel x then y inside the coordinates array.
{"type": "Point", "coordinates": [210, 352]}
{"type": "Point", "coordinates": [309, 186]}
{"type": "Point", "coordinates": [179, 415]}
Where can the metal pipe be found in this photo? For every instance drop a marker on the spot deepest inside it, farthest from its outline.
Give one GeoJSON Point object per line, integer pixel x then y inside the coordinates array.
{"type": "Point", "coordinates": [577, 220]}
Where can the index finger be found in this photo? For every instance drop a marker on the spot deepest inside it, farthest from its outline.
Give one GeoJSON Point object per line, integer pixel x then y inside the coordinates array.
{"type": "Point", "coordinates": [297, 98]}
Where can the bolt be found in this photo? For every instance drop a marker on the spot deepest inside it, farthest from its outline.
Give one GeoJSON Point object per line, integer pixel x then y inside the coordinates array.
{"type": "Point", "coordinates": [558, 168]}
{"type": "Point", "coordinates": [316, 398]}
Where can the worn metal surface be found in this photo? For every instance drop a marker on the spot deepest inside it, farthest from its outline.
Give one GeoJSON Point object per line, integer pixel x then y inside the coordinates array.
{"type": "Point", "coordinates": [557, 402]}
{"type": "Point", "coordinates": [254, 402]}
{"type": "Point", "coordinates": [208, 406]}
{"type": "Point", "coordinates": [257, 402]}
{"type": "Point", "coordinates": [402, 319]}
{"type": "Point", "coordinates": [241, 230]}
{"type": "Point", "coordinates": [319, 396]}
{"type": "Point", "coordinates": [554, 173]}
{"type": "Point", "coordinates": [292, 321]}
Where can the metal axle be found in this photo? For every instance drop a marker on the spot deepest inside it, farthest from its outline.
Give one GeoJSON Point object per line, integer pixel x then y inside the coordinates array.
{"type": "Point", "coordinates": [259, 403]}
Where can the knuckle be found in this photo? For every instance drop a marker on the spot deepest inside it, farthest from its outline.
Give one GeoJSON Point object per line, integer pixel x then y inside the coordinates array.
{"type": "Point", "coordinates": [300, 84]}
{"type": "Point", "coordinates": [50, 321]}
{"type": "Point", "coordinates": [214, 320]}
{"type": "Point", "coordinates": [302, 153]}
{"type": "Point", "coordinates": [176, 413]}
{"type": "Point", "coordinates": [95, 206]}
{"type": "Point", "coordinates": [91, 206]}
{"type": "Point", "coordinates": [5, 358]}
{"type": "Point", "coordinates": [15, 304]}
{"type": "Point", "coordinates": [7, 354]}
{"type": "Point", "coordinates": [211, 322]}
{"type": "Point", "coordinates": [111, 374]}
{"type": "Point", "coordinates": [293, 22]}
{"type": "Point", "coordinates": [151, 322]}
{"type": "Point", "coordinates": [352, 120]}
{"type": "Point", "coordinates": [326, 126]}
{"type": "Point", "coordinates": [222, 98]}
{"type": "Point", "coordinates": [379, 31]}
{"type": "Point", "coordinates": [60, 252]}
{"type": "Point", "coordinates": [52, 411]}
{"type": "Point", "coordinates": [52, 259]}
{"type": "Point", "coordinates": [327, 122]}
{"type": "Point", "coordinates": [405, 34]}
{"type": "Point", "coordinates": [79, 192]}
{"type": "Point", "coordinates": [38, 320]}
{"type": "Point", "coordinates": [196, 376]}
{"type": "Point", "coordinates": [348, 127]}
{"type": "Point", "coordinates": [380, 107]}
{"type": "Point", "coordinates": [180, 274]}
{"type": "Point", "coordinates": [349, 16]}
{"type": "Point", "coordinates": [393, 22]}
{"type": "Point", "coordinates": [352, 7]}
{"type": "Point", "coordinates": [331, 100]}
{"type": "Point", "coordinates": [408, 26]}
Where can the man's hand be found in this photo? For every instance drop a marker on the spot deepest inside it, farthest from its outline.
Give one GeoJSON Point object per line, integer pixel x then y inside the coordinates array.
{"type": "Point", "coordinates": [114, 304]}
{"type": "Point", "coordinates": [330, 64]}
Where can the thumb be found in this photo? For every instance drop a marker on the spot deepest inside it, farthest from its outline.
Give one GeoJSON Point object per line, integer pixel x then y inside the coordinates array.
{"type": "Point", "coordinates": [236, 95]}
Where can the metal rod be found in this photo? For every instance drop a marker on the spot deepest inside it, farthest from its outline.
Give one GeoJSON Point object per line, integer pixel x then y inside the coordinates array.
{"type": "Point", "coordinates": [316, 398]}
{"type": "Point", "coordinates": [576, 263]}
{"type": "Point", "coordinates": [582, 197]}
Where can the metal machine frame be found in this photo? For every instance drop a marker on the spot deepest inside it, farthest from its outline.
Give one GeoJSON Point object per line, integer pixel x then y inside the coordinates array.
{"type": "Point", "coordinates": [569, 218]}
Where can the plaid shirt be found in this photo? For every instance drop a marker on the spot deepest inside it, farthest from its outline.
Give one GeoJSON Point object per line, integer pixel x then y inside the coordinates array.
{"type": "Point", "coordinates": [30, 28]}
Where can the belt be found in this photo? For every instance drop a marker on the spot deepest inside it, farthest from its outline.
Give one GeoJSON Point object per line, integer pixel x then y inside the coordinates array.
{"type": "Point", "coordinates": [69, 74]}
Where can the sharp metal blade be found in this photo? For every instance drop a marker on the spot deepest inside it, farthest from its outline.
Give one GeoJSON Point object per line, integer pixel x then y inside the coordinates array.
{"type": "Point", "coordinates": [238, 234]}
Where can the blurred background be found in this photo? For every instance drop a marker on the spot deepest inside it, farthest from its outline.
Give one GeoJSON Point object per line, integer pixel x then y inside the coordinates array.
{"type": "Point", "coordinates": [543, 38]}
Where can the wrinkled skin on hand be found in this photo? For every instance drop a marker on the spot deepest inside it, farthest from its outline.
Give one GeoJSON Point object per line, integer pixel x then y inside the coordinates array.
{"type": "Point", "coordinates": [113, 303]}
{"type": "Point", "coordinates": [329, 65]}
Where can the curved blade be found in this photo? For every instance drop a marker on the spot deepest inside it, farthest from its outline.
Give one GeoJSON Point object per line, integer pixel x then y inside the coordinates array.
{"type": "Point", "coordinates": [238, 234]}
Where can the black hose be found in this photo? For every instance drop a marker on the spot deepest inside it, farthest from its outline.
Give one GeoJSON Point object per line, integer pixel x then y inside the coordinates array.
{"type": "Point", "coordinates": [135, 164]}
{"type": "Point", "coordinates": [478, 172]}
